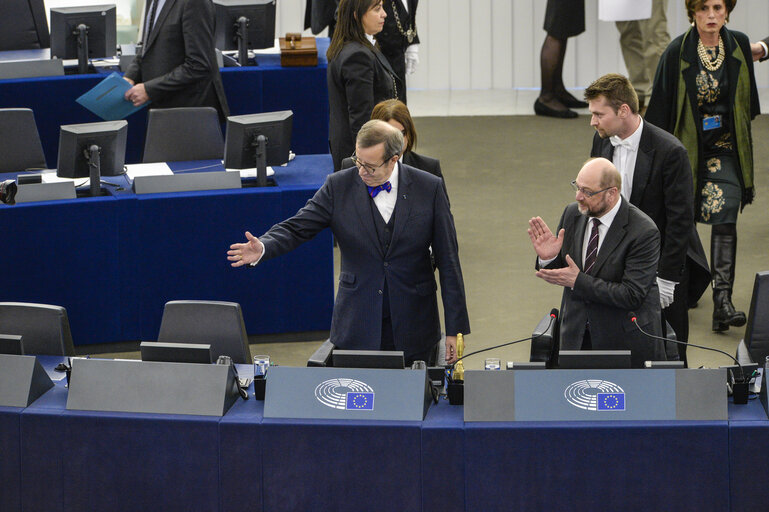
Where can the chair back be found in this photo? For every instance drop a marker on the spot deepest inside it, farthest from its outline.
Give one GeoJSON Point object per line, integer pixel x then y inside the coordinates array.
{"type": "Point", "coordinates": [44, 328]}
{"type": "Point", "coordinates": [185, 133]}
{"type": "Point", "coordinates": [219, 324]}
{"type": "Point", "coordinates": [20, 144]}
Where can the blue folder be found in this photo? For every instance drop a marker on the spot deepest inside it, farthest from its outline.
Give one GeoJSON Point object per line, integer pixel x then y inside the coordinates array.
{"type": "Point", "coordinates": [107, 100]}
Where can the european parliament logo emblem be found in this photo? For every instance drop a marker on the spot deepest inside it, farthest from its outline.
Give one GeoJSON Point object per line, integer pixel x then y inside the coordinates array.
{"type": "Point", "coordinates": [345, 394]}
{"type": "Point", "coordinates": [595, 395]}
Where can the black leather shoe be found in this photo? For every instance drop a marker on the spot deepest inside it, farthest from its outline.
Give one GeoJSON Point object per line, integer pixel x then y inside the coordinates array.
{"type": "Point", "coordinates": [572, 102]}
{"type": "Point", "coordinates": [543, 110]}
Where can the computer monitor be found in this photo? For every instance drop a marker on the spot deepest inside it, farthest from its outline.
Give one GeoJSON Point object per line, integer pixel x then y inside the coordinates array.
{"type": "Point", "coordinates": [23, 25]}
{"type": "Point", "coordinates": [11, 344]}
{"type": "Point", "coordinates": [593, 359]}
{"type": "Point", "coordinates": [243, 148]}
{"type": "Point", "coordinates": [367, 359]}
{"type": "Point", "coordinates": [757, 329]}
{"type": "Point", "coordinates": [83, 33]}
{"type": "Point", "coordinates": [244, 24]}
{"type": "Point", "coordinates": [176, 352]}
{"type": "Point", "coordinates": [91, 150]}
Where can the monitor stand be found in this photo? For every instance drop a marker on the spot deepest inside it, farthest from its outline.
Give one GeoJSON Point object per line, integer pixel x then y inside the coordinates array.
{"type": "Point", "coordinates": [242, 34]}
{"type": "Point", "coordinates": [82, 48]}
{"type": "Point", "coordinates": [94, 171]}
{"type": "Point", "coordinates": [261, 161]}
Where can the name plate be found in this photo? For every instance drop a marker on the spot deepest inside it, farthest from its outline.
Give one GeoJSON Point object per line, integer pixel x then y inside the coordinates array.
{"type": "Point", "coordinates": [22, 380]}
{"type": "Point", "coordinates": [55, 191]}
{"type": "Point", "coordinates": [347, 393]}
{"type": "Point", "coordinates": [186, 182]}
{"type": "Point", "coordinates": [151, 387]}
{"type": "Point", "coordinates": [595, 395]}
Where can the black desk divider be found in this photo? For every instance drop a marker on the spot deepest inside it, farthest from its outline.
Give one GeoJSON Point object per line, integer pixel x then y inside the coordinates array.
{"type": "Point", "coordinates": [347, 393]}
{"type": "Point", "coordinates": [11, 344]}
{"type": "Point", "coordinates": [152, 387]}
{"type": "Point", "coordinates": [31, 68]}
{"type": "Point", "coordinates": [46, 191]}
{"type": "Point", "coordinates": [186, 182]}
{"type": "Point", "coordinates": [22, 380]}
{"type": "Point", "coordinates": [595, 395]}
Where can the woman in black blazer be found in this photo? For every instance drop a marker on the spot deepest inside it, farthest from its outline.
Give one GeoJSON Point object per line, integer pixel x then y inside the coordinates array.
{"type": "Point", "coordinates": [397, 114]}
{"type": "Point", "coordinates": [358, 75]}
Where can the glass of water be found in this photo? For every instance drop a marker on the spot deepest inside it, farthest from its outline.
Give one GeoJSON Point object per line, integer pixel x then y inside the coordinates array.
{"type": "Point", "coordinates": [261, 364]}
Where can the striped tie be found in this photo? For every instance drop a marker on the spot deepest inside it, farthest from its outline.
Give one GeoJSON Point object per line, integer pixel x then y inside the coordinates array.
{"type": "Point", "coordinates": [592, 247]}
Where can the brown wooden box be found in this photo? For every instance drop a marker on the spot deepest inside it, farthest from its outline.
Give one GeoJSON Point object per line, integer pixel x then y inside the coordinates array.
{"type": "Point", "coordinates": [304, 52]}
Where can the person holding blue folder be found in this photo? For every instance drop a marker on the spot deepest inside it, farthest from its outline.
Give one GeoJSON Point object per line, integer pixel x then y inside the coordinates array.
{"type": "Point", "coordinates": [177, 64]}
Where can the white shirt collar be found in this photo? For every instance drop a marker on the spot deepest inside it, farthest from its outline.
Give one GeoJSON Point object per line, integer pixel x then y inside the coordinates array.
{"type": "Point", "coordinates": [608, 217]}
{"type": "Point", "coordinates": [371, 39]}
{"type": "Point", "coordinates": [631, 143]}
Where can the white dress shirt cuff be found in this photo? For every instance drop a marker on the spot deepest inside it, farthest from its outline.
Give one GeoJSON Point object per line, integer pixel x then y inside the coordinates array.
{"type": "Point", "coordinates": [766, 49]}
{"type": "Point", "coordinates": [260, 256]}
{"type": "Point", "coordinates": [544, 263]}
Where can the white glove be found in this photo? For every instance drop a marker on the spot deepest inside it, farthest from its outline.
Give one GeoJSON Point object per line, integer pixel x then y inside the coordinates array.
{"type": "Point", "coordinates": [412, 58]}
{"type": "Point", "coordinates": [667, 288]}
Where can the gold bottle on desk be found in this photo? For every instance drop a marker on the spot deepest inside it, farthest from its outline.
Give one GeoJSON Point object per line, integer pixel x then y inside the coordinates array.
{"type": "Point", "coordinates": [459, 366]}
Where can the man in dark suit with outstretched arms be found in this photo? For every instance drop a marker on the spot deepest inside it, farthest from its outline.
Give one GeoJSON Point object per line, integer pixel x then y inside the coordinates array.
{"type": "Point", "coordinates": [605, 257]}
{"type": "Point", "coordinates": [657, 178]}
{"type": "Point", "coordinates": [177, 65]}
{"type": "Point", "coordinates": [385, 216]}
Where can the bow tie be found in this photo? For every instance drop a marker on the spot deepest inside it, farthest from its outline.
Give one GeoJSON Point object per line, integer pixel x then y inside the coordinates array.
{"type": "Point", "coordinates": [616, 141]}
{"type": "Point", "coordinates": [373, 191]}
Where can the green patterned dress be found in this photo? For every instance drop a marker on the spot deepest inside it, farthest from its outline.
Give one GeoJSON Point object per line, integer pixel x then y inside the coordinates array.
{"type": "Point", "coordinates": [719, 182]}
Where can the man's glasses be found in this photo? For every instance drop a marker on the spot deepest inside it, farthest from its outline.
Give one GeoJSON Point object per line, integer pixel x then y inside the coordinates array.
{"type": "Point", "coordinates": [370, 169]}
{"type": "Point", "coordinates": [586, 192]}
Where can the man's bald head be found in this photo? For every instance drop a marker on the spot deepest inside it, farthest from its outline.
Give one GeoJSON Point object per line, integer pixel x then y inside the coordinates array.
{"type": "Point", "coordinates": [601, 173]}
{"type": "Point", "coordinates": [598, 184]}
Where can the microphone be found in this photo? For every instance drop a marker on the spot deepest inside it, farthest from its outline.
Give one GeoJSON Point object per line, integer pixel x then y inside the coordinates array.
{"type": "Point", "coordinates": [742, 381]}
{"type": "Point", "coordinates": [553, 318]}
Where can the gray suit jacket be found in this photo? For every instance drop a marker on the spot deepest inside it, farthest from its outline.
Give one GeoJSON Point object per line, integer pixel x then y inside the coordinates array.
{"type": "Point", "coordinates": [178, 64]}
{"type": "Point", "coordinates": [622, 280]}
{"type": "Point", "coordinates": [422, 219]}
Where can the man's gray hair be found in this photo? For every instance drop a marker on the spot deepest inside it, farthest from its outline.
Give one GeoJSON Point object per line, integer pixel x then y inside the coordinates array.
{"type": "Point", "coordinates": [375, 132]}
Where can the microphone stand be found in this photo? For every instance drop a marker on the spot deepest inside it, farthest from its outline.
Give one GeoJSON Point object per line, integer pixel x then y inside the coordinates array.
{"type": "Point", "coordinates": [455, 387]}
{"type": "Point", "coordinates": [739, 386]}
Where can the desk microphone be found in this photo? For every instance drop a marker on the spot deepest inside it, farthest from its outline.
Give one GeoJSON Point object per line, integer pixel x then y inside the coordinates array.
{"type": "Point", "coordinates": [738, 383]}
{"type": "Point", "coordinates": [553, 318]}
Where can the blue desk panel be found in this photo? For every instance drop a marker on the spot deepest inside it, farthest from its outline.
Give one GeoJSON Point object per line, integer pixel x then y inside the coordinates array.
{"type": "Point", "coordinates": [341, 466]}
{"type": "Point", "coordinates": [69, 253]}
{"type": "Point", "coordinates": [249, 90]}
{"type": "Point", "coordinates": [10, 458]}
{"type": "Point", "coordinates": [240, 456]}
{"type": "Point", "coordinates": [748, 461]}
{"type": "Point", "coordinates": [114, 261]}
{"type": "Point", "coordinates": [582, 466]}
{"type": "Point", "coordinates": [443, 458]}
{"type": "Point", "coordinates": [80, 460]}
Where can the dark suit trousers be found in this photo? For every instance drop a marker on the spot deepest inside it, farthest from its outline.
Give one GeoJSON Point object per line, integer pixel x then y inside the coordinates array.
{"type": "Point", "coordinates": [677, 314]}
{"type": "Point", "coordinates": [388, 343]}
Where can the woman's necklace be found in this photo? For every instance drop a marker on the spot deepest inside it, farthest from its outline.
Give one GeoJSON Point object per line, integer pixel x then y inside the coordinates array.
{"type": "Point", "coordinates": [711, 65]}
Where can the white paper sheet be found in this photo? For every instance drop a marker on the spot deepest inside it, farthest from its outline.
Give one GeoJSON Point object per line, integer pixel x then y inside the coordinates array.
{"type": "Point", "coordinates": [624, 10]}
{"type": "Point", "coordinates": [251, 173]}
{"type": "Point", "coordinates": [153, 169]}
